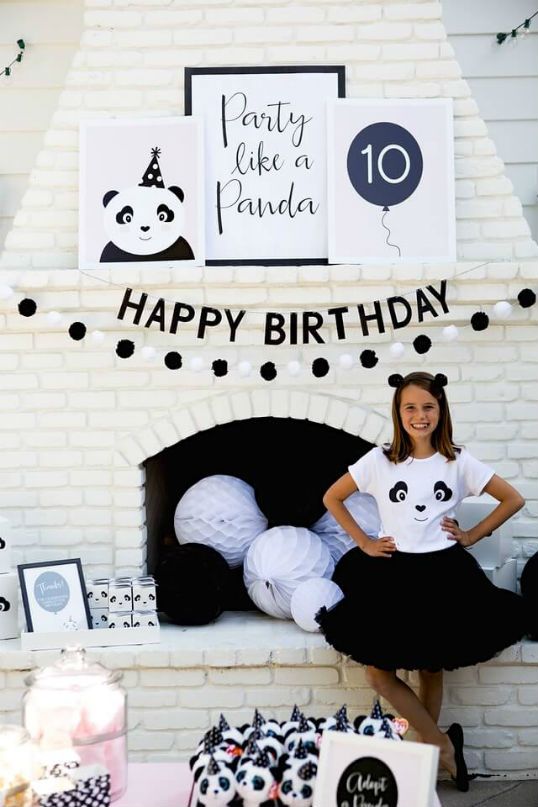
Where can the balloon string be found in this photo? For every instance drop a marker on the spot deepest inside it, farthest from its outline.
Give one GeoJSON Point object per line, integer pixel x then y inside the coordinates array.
{"type": "Point", "coordinates": [388, 236]}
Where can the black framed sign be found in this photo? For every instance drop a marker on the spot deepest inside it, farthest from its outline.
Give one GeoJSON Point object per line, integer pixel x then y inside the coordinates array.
{"type": "Point", "coordinates": [265, 146]}
{"type": "Point", "coordinates": [54, 596]}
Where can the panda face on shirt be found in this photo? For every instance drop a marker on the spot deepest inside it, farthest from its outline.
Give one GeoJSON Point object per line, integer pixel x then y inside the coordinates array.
{"type": "Point", "coordinates": [144, 220]}
{"type": "Point", "coordinates": [423, 510]}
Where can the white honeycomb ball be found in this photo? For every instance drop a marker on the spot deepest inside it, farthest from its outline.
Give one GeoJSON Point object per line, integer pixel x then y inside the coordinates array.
{"type": "Point", "coordinates": [309, 597]}
{"type": "Point", "coordinates": [278, 561]}
{"type": "Point", "coordinates": [220, 511]}
{"type": "Point", "coordinates": [364, 510]}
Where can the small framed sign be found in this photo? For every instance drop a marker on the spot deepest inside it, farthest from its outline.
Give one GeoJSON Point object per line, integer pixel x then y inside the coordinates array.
{"type": "Point", "coordinates": [265, 160]}
{"type": "Point", "coordinates": [54, 596]}
{"type": "Point", "coordinates": [355, 770]}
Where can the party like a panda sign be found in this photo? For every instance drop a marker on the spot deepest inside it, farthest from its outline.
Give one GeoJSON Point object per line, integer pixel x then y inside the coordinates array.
{"type": "Point", "coordinates": [141, 193]}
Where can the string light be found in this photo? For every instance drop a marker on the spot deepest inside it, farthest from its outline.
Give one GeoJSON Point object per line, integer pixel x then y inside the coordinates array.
{"type": "Point", "coordinates": [513, 34]}
{"type": "Point", "coordinates": [18, 58]}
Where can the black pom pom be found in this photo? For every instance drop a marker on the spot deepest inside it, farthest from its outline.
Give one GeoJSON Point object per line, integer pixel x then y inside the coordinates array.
{"type": "Point", "coordinates": [441, 380]}
{"type": "Point", "coordinates": [422, 343]}
{"type": "Point", "coordinates": [268, 371]}
{"type": "Point", "coordinates": [77, 331]}
{"type": "Point", "coordinates": [368, 359]}
{"type": "Point", "coordinates": [27, 307]}
{"type": "Point", "coordinates": [173, 360]}
{"type": "Point", "coordinates": [526, 298]}
{"type": "Point", "coordinates": [191, 579]}
{"type": "Point", "coordinates": [125, 348]}
{"type": "Point", "coordinates": [320, 367]}
{"type": "Point", "coordinates": [479, 321]}
{"type": "Point", "coordinates": [220, 367]}
{"type": "Point", "coordinates": [395, 380]}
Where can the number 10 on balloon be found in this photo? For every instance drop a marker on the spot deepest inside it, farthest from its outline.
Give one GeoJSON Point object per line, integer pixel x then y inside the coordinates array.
{"type": "Point", "coordinates": [379, 165]}
{"type": "Point", "coordinates": [384, 165]}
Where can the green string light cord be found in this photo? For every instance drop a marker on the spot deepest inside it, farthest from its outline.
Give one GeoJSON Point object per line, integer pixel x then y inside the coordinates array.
{"type": "Point", "coordinates": [18, 58]}
{"type": "Point", "coordinates": [526, 24]}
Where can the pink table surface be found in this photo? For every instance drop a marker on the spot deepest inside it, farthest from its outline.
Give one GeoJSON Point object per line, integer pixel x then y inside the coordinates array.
{"type": "Point", "coordinates": [165, 784]}
{"type": "Point", "coordinates": [157, 784]}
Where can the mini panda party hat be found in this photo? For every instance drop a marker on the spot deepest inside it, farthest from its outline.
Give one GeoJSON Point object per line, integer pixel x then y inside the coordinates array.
{"type": "Point", "coordinates": [152, 176]}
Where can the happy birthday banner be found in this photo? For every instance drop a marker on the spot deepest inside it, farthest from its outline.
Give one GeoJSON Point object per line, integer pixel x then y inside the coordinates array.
{"type": "Point", "coordinates": [293, 327]}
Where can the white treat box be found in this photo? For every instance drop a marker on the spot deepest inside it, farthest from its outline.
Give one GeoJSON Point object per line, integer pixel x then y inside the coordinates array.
{"type": "Point", "coordinates": [99, 618]}
{"type": "Point", "coordinates": [89, 638]}
{"type": "Point", "coordinates": [119, 619]}
{"type": "Point", "coordinates": [493, 550]}
{"type": "Point", "coordinates": [144, 594]}
{"type": "Point", "coordinates": [145, 619]}
{"type": "Point", "coordinates": [97, 592]}
{"type": "Point", "coordinates": [504, 576]}
{"type": "Point", "coordinates": [120, 595]}
{"type": "Point", "coordinates": [9, 605]}
{"type": "Point", "coordinates": [5, 546]}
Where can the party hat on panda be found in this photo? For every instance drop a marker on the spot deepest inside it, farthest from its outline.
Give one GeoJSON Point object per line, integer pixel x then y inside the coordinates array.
{"type": "Point", "coordinates": [152, 176]}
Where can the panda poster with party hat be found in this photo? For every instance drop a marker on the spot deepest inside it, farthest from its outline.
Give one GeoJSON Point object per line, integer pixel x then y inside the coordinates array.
{"type": "Point", "coordinates": [141, 192]}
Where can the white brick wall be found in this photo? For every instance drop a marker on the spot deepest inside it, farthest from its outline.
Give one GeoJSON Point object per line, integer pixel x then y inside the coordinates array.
{"type": "Point", "coordinates": [77, 422]}
{"type": "Point", "coordinates": [177, 690]}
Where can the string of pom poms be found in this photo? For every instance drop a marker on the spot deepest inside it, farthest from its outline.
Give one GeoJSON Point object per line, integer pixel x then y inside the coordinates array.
{"type": "Point", "coordinates": [268, 371]}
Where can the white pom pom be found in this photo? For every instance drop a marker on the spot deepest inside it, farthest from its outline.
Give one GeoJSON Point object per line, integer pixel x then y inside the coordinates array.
{"type": "Point", "coordinates": [346, 361]}
{"type": "Point", "coordinates": [309, 597]}
{"type": "Point", "coordinates": [450, 333]}
{"type": "Point", "coordinates": [98, 337]}
{"type": "Point", "coordinates": [244, 368]}
{"type": "Point", "coordinates": [294, 367]}
{"type": "Point", "coordinates": [5, 291]}
{"type": "Point", "coordinates": [397, 349]}
{"type": "Point", "coordinates": [148, 352]}
{"type": "Point", "coordinates": [502, 309]}
{"type": "Point", "coordinates": [54, 317]}
{"type": "Point", "coordinates": [196, 364]}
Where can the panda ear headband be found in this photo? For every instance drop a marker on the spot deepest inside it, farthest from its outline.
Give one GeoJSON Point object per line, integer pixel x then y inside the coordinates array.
{"type": "Point", "coordinates": [396, 380]}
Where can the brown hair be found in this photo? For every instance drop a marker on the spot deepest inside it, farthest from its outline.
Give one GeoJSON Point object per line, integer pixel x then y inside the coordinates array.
{"type": "Point", "coordinates": [401, 446]}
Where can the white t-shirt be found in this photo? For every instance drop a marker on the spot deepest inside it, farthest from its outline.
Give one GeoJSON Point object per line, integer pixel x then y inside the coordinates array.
{"type": "Point", "coordinates": [414, 495]}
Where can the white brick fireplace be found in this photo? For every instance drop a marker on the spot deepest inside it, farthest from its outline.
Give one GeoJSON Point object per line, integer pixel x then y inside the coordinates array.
{"type": "Point", "coordinates": [78, 422]}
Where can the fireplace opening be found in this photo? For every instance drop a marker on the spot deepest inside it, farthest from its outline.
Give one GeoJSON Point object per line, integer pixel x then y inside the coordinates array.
{"type": "Point", "coordinates": [289, 463]}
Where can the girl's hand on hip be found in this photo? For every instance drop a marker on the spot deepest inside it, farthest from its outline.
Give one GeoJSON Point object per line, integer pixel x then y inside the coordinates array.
{"type": "Point", "coordinates": [380, 547]}
{"type": "Point", "coordinates": [451, 526]}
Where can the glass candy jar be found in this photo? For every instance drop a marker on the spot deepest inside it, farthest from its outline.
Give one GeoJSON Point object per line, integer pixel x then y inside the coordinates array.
{"type": "Point", "coordinates": [17, 766]}
{"type": "Point", "coordinates": [78, 704]}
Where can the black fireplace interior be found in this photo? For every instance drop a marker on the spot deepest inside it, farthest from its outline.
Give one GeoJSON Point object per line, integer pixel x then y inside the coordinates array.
{"type": "Point", "coordinates": [289, 463]}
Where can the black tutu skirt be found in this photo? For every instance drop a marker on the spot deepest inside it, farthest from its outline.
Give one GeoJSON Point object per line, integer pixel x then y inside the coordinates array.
{"type": "Point", "coordinates": [420, 611]}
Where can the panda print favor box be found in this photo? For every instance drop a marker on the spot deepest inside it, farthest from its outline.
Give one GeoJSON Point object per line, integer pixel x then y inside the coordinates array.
{"type": "Point", "coordinates": [9, 605]}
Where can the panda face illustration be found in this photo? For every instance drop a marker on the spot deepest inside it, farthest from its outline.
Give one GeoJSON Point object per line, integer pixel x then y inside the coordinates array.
{"type": "Point", "coordinates": [144, 220]}
{"type": "Point", "coordinates": [421, 512]}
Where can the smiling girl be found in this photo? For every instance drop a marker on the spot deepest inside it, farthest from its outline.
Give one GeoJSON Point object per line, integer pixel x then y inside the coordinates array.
{"type": "Point", "coordinates": [414, 598]}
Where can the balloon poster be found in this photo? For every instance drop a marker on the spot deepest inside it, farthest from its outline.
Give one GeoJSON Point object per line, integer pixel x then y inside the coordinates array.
{"type": "Point", "coordinates": [391, 181]}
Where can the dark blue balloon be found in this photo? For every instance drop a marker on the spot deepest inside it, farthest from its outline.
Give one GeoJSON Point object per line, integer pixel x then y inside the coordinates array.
{"type": "Point", "coordinates": [390, 168]}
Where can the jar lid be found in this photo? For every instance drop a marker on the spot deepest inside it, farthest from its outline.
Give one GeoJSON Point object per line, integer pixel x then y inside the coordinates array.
{"type": "Point", "coordinates": [74, 670]}
{"type": "Point", "coordinates": [11, 736]}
